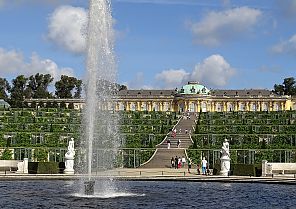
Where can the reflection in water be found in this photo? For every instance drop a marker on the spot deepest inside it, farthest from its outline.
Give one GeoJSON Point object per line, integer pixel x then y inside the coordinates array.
{"type": "Point", "coordinates": [151, 194]}
{"type": "Point", "coordinates": [109, 195]}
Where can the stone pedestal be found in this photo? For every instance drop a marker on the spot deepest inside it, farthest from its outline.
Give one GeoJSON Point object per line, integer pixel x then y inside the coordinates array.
{"type": "Point", "coordinates": [22, 166]}
{"type": "Point", "coordinates": [264, 168]}
{"type": "Point", "coordinates": [225, 166]}
{"type": "Point", "coordinates": [26, 165]}
{"type": "Point", "coordinates": [69, 158]}
{"type": "Point", "coordinates": [69, 164]}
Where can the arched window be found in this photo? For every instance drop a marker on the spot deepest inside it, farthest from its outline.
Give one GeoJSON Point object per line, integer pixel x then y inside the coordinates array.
{"type": "Point", "coordinates": [276, 107]}
{"type": "Point", "coordinates": [191, 107]}
{"type": "Point", "coordinates": [133, 106]}
{"type": "Point", "coordinates": [254, 107]}
{"type": "Point", "coordinates": [204, 107]}
{"type": "Point", "coordinates": [165, 106]}
{"type": "Point", "coordinates": [121, 106]}
{"type": "Point", "coordinates": [242, 107]}
{"type": "Point", "coordinates": [144, 106]}
{"type": "Point", "coordinates": [155, 106]}
{"type": "Point", "coordinates": [264, 107]}
{"type": "Point", "coordinates": [230, 107]}
{"type": "Point", "coordinates": [218, 107]}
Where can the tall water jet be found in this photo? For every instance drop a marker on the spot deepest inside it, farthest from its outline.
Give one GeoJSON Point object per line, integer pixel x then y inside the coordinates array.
{"type": "Point", "coordinates": [100, 136]}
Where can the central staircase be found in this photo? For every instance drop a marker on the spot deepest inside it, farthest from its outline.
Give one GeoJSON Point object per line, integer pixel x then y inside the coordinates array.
{"type": "Point", "coordinates": [162, 156]}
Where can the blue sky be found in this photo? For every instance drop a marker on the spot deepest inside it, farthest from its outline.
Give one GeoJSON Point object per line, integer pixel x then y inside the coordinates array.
{"type": "Point", "coordinates": [225, 44]}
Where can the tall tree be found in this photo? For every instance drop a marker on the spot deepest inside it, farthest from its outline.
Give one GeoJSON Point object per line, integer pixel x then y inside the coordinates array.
{"type": "Point", "coordinates": [287, 88]}
{"type": "Point", "coordinates": [18, 91]}
{"type": "Point", "coordinates": [65, 87]}
{"type": "Point", "coordinates": [4, 89]}
{"type": "Point", "coordinates": [38, 86]}
{"type": "Point", "coordinates": [78, 88]}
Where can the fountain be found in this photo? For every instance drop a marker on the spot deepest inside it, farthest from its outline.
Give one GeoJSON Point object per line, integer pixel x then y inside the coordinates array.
{"type": "Point", "coordinates": [100, 137]}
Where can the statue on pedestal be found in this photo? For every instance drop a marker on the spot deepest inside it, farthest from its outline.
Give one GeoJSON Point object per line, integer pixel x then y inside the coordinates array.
{"type": "Point", "coordinates": [69, 158]}
{"type": "Point", "coordinates": [225, 159]}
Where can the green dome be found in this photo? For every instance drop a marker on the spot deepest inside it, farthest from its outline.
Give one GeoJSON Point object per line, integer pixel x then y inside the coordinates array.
{"type": "Point", "coordinates": [193, 88]}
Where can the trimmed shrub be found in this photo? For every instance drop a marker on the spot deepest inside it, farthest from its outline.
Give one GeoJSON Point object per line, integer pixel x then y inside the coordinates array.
{"type": "Point", "coordinates": [43, 168]}
{"type": "Point", "coordinates": [246, 169]}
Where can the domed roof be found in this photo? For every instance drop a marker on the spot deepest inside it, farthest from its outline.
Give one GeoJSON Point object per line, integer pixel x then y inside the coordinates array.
{"type": "Point", "coordinates": [193, 88]}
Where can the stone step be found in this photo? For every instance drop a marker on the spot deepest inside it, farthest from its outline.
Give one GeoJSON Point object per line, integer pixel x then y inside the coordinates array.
{"type": "Point", "coordinates": [162, 158]}
{"type": "Point", "coordinates": [163, 155]}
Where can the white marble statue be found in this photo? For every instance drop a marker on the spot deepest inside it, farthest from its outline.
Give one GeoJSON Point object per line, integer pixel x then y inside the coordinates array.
{"type": "Point", "coordinates": [225, 149]}
{"type": "Point", "coordinates": [225, 159]}
{"type": "Point", "coordinates": [22, 166]}
{"type": "Point", "coordinates": [69, 158]}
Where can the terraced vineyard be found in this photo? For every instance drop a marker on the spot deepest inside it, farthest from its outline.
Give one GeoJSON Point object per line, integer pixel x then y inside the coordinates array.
{"type": "Point", "coordinates": [43, 134]}
{"type": "Point", "coordinates": [253, 136]}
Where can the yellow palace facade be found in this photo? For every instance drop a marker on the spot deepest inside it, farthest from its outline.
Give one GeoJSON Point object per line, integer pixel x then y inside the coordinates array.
{"type": "Point", "coordinates": [192, 97]}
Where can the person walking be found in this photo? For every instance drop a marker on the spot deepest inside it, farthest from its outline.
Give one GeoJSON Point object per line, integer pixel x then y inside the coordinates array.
{"type": "Point", "coordinates": [173, 162]}
{"type": "Point", "coordinates": [179, 162]}
{"type": "Point", "coordinates": [178, 143]}
{"type": "Point", "coordinates": [204, 163]}
{"type": "Point", "coordinates": [169, 144]}
{"type": "Point", "coordinates": [176, 162]}
{"type": "Point", "coordinates": [189, 164]}
{"type": "Point", "coordinates": [183, 161]}
{"type": "Point", "coordinates": [198, 169]}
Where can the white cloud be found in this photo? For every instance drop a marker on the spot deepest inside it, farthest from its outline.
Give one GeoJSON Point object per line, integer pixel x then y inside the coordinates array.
{"type": "Point", "coordinates": [218, 27]}
{"type": "Point", "coordinates": [213, 71]}
{"type": "Point", "coordinates": [287, 46]}
{"type": "Point", "coordinates": [171, 78]}
{"type": "Point", "coordinates": [66, 26]}
{"type": "Point", "coordinates": [12, 63]}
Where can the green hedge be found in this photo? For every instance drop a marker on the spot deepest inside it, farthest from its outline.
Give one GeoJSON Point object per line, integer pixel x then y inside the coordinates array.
{"type": "Point", "coordinates": [246, 169]}
{"type": "Point", "coordinates": [43, 167]}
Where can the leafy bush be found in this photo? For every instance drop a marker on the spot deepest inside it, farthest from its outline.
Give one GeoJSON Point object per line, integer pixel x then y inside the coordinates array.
{"type": "Point", "coordinates": [6, 155]}
{"type": "Point", "coordinates": [43, 167]}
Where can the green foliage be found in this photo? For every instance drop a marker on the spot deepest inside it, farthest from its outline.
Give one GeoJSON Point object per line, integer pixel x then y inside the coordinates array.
{"type": "Point", "coordinates": [43, 168]}
{"type": "Point", "coordinates": [6, 155]}
{"type": "Point", "coordinates": [246, 169]}
{"type": "Point", "coordinates": [4, 89]}
{"type": "Point", "coordinates": [287, 88]}
{"type": "Point", "coordinates": [66, 85]}
{"type": "Point", "coordinates": [41, 155]}
{"type": "Point", "coordinates": [18, 91]}
{"type": "Point", "coordinates": [37, 86]}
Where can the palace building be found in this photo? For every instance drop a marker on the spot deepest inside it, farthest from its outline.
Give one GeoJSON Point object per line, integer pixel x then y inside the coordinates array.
{"type": "Point", "coordinates": [192, 97]}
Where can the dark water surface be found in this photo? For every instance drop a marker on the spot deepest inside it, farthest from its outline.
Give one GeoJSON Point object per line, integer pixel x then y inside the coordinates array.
{"type": "Point", "coordinates": [152, 194]}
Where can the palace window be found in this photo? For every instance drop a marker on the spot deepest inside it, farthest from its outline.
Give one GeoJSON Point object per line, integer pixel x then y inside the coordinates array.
{"type": "Point", "coordinates": [133, 107]}
{"type": "Point", "coordinates": [242, 107]}
{"type": "Point", "coordinates": [144, 107]}
{"type": "Point", "coordinates": [121, 106]}
{"type": "Point", "coordinates": [264, 107]}
{"type": "Point", "coordinates": [165, 106]}
{"type": "Point", "coordinates": [254, 107]}
{"type": "Point", "coordinates": [229, 107]}
{"type": "Point", "coordinates": [218, 107]}
{"type": "Point", "coordinates": [155, 107]}
{"type": "Point", "coordinates": [276, 107]}
{"type": "Point", "coordinates": [204, 107]}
